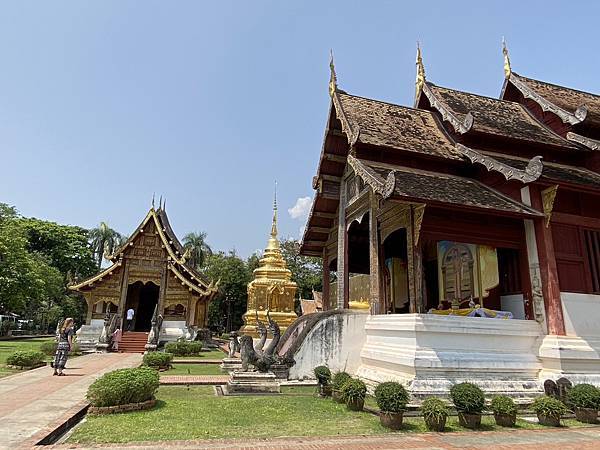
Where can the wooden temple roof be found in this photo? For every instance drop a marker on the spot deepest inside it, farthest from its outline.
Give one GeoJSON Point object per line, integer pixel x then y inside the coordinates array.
{"type": "Point", "coordinates": [571, 105]}
{"type": "Point", "coordinates": [468, 112]}
{"type": "Point", "coordinates": [177, 259]}
{"type": "Point", "coordinates": [440, 188]}
{"type": "Point", "coordinates": [398, 127]}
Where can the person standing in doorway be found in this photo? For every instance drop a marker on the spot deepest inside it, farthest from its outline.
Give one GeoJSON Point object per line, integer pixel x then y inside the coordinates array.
{"type": "Point", "coordinates": [130, 314]}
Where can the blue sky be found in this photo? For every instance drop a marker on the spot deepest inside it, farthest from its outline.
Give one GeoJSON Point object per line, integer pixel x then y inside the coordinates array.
{"type": "Point", "coordinates": [206, 103]}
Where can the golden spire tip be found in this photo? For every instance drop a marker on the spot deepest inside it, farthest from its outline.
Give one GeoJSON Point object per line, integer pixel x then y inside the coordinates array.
{"type": "Point", "coordinates": [420, 79]}
{"type": "Point", "coordinates": [507, 68]}
{"type": "Point", "coordinates": [332, 75]}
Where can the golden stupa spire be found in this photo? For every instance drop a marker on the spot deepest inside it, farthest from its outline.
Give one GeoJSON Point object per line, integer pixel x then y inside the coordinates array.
{"type": "Point", "coordinates": [274, 226]}
{"type": "Point", "coordinates": [332, 75]}
{"type": "Point", "coordinates": [507, 69]}
{"type": "Point", "coordinates": [420, 79]}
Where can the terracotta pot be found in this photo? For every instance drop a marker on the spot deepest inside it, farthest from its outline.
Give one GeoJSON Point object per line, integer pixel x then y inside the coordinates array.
{"type": "Point", "coordinates": [434, 424]}
{"type": "Point", "coordinates": [469, 420]}
{"type": "Point", "coordinates": [551, 421]}
{"type": "Point", "coordinates": [586, 415]}
{"type": "Point", "coordinates": [392, 420]}
{"type": "Point", "coordinates": [325, 390]}
{"type": "Point", "coordinates": [355, 405]}
{"type": "Point", "coordinates": [337, 396]}
{"type": "Point", "coordinates": [505, 420]}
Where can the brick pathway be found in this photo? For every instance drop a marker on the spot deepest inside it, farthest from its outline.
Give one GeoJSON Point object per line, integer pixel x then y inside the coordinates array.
{"type": "Point", "coordinates": [194, 379]}
{"type": "Point", "coordinates": [31, 402]}
{"type": "Point", "coordinates": [551, 439]}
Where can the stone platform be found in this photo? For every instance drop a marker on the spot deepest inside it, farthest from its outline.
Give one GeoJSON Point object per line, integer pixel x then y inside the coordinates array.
{"type": "Point", "coordinates": [252, 383]}
{"type": "Point", "coordinates": [231, 364]}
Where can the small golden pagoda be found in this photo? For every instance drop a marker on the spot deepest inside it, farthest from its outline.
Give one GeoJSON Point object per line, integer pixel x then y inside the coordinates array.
{"type": "Point", "coordinates": [272, 288]}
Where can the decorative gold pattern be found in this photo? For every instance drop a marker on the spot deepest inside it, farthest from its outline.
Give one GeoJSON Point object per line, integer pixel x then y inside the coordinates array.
{"type": "Point", "coordinates": [418, 213]}
{"type": "Point", "coordinates": [369, 177]}
{"type": "Point", "coordinates": [420, 79]}
{"type": "Point", "coordinates": [272, 288]}
{"type": "Point", "coordinates": [548, 196]}
{"type": "Point", "coordinates": [332, 75]}
{"type": "Point", "coordinates": [507, 69]}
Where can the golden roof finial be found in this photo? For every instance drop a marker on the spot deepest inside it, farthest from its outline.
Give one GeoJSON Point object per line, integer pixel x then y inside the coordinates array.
{"type": "Point", "coordinates": [420, 80]}
{"type": "Point", "coordinates": [274, 226]}
{"type": "Point", "coordinates": [153, 200]}
{"type": "Point", "coordinates": [507, 69]}
{"type": "Point", "coordinates": [332, 75]}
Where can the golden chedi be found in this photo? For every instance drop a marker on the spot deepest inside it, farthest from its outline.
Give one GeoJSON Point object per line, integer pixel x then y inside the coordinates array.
{"type": "Point", "coordinates": [272, 288]}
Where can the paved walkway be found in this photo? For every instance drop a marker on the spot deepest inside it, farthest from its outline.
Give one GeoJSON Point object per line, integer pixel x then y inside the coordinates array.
{"type": "Point", "coordinates": [551, 439]}
{"type": "Point", "coordinates": [32, 401]}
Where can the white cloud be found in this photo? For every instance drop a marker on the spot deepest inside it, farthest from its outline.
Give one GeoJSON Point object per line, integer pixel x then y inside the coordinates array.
{"type": "Point", "coordinates": [301, 209]}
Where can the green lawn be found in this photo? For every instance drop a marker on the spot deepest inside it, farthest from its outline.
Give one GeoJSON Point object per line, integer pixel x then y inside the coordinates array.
{"type": "Point", "coordinates": [194, 369]}
{"type": "Point", "coordinates": [7, 348]}
{"type": "Point", "coordinates": [196, 413]}
{"type": "Point", "coordinates": [211, 354]}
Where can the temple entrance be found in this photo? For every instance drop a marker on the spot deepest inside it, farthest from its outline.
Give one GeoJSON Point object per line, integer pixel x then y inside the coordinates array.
{"type": "Point", "coordinates": [143, 298]}
{"type": "Point", "coordinates": [395, 272]}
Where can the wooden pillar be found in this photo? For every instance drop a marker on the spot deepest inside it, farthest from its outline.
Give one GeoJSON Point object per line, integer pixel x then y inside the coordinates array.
{"type": "Point", "coordinates": [162, 292]}
{"type": "Point", "coordinates": [326, 281]}
{"type": "Point", "coordinates": [414, 256]}
{"type": "Point", "coordinates": [374, 267]}
{"type": "Point", "coordinates": [90, 309]}
{"type": "Point", "coordinates": [124, 287]}
{"type": "Point", "coordinates": [342, 258]}
{"type": "Point", "coordinates": [548, 271]}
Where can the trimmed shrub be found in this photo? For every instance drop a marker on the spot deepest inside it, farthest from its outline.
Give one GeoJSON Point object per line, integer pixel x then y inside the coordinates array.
{"type": "Point", "coordinates": [158, 359]}
{"type": "Point", "coordinates": [49, 348]}
{"type": "Point", "coordinates": [354, 390]}
{"type": "Point", "coordinates": [549, 407]}
{"type": "Point", "coordinates": [467, 398]}
{"type": "Point", "coordinates": [26, 358]}
{"type": "Point", "coordinates": [584, 396]}
{"type": "Point", "coordinates": [501, 404]}
{"type": "Point", "coordinates": [184, 348]}
{"type": "Point", "coordinates": [391, 397]}
{"type": "Point", "coordinates": [435, 413]}
{"type": "Point", "coordinates": [123, 386]}
{"type": "Point", "coordinates": [323, 375]}
{"type": "Point", "coordinates": [338, 380]}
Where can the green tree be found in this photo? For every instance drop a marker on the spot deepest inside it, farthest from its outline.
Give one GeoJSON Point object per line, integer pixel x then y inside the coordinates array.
{"type": "Point", "coordinates": [234, 277]}
{"type": "Point", "coordinates": [306, 270]}
{"type": "Point", "coordinates": [104, 241]}
{"type": "Point", "coordinates": [197, 248]}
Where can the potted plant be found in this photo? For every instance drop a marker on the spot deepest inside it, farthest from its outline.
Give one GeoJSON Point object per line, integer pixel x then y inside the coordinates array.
{"type": "Point", "coordinates": [337, 381]}
{"type": "Point", "coordinates": [435, 413]}
{"type": "Point", "coordinates": [469, 402]}
{"type": "Point", "coordinates": [585, 399]}
{"type": "Point", "coordinates": [353, 393]}
{"type": "Point", "coordinates": [548, 410]}
{"type": "Point", "coordinates": [391, 399]}
{"type": "Point", "coordinates": [505, 411]}
{"type": "Point", "coordinates": [323, 376]}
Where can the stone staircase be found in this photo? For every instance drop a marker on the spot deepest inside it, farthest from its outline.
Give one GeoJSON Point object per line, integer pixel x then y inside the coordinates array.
{"type": "Point", "coordinates": [133, 342]}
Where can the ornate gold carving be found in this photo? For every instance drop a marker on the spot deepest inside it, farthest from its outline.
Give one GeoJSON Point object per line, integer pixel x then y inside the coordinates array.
{"type": "Point", "coordinates": [460, 126]}
{"type": "Point", "coordinates": [385, 189]}
{"type": "Point", "coordinates": [332, 75]}
{"type": "Point", "coordinates": [418, 213]}
{"type": "Point", "coordinates": [592, 144]}
{"type": "Point", "coordinates": [548, 196]}
{"type": "Point", "coordinates": [420, 79]}
{"type": "Point", "coordinates": [531, 173]}
{"type": "Point", "coordinates": [507, 69]}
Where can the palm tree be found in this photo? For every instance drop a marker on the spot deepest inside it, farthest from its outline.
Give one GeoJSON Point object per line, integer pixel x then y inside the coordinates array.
{"type": "Point", "coordinates": [197, 249]}
{"type": "Point", "coordinates": [104, 241]}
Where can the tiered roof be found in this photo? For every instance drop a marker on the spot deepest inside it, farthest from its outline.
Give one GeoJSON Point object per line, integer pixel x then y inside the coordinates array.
{"type": "Point", "coordinates": [382, 141]}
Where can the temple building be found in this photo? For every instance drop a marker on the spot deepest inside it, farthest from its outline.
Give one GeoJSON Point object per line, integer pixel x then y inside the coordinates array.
{"type": "Point", "coordinates": [149, 270]}
{"type": "Point", "coordinates": [463, 210]}
{"type": "Point", "coordinates": [272, 288]}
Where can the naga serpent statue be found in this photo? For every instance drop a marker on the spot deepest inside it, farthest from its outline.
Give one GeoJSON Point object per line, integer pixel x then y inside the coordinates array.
{"type": "Point", "coordinates": [261, 360]}
{"type": "Point", "coordinates": [262, 335]}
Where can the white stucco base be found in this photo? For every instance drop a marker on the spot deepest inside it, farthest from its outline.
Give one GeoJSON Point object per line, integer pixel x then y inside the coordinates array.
{"type": "Point", "coordinates": [172, 330]}
{"type": "Point", "coordinates": [575, 356]}
{"type": "Point", "coordinates": [430, 353]}
{"type": "Point", "coordinates": [335, 342]}
{"type": "Point", "coordinates": [87, 335]}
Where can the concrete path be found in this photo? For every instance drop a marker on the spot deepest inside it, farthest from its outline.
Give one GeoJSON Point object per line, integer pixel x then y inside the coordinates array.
{"type": "Point", "coordinates": [551, 439]}
{"type": "Point", "coordinates": [33, 401]}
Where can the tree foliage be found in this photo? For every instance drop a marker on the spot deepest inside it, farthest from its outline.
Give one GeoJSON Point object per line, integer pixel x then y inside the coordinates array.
{"type": "Point", "coordinates": [197, 248]}
{"type": "Point", "coordinates": [104, 241]}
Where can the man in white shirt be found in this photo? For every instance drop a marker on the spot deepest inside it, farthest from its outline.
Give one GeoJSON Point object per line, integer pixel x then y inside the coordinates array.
{"type": "Point", "coordinates": [130, 313]}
